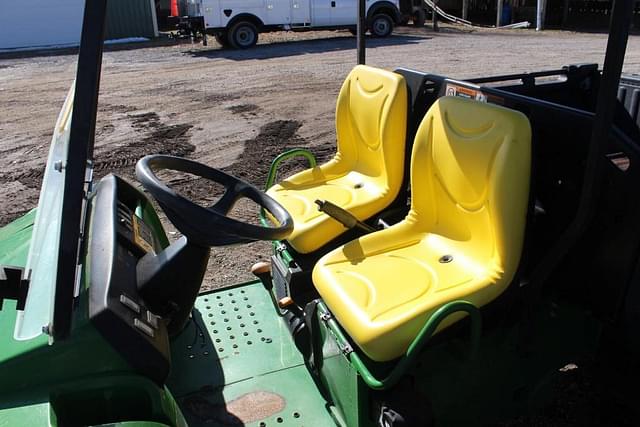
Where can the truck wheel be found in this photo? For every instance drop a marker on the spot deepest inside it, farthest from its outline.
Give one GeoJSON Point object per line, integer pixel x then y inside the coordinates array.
{"type": "Point", "coordinates": [381, 25]}
{"type": "Point", "coordinates": [222, 39]}
{"type": "Point", "coordinates": [419, 18]}
{"type": "Point", "coordinates": [243, 35]}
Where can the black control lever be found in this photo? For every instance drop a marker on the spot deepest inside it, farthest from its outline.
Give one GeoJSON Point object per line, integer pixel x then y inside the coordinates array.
{"type": "Point", "coordinates": [342, 216]}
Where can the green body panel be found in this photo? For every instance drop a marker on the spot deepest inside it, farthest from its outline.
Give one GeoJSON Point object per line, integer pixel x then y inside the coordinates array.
{"type": "Point", "coordinates": [14, 240]}
{"type": "Point", "coordinates": [80, 380]}
{"type": "Point", "coordinates": [341, 379]}
{"type": "Point", "coordinates": [35, 414]}
{"type": "Point", "coordinates": [26, 365]}
{"type": "Point", "coordinates": [239, 351]}
{"type": "Point", "coordinates": [94, 400]}
{"type": "Point", "coordinates": [14, 248]}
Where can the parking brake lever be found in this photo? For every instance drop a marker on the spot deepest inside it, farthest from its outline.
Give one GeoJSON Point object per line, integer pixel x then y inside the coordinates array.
{"type": "Point", "coordinates": [342, 216]}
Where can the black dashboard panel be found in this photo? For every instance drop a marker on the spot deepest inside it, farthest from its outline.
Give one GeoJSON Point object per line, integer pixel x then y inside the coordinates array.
{"type": "Point", "coordinates": [117, 238]}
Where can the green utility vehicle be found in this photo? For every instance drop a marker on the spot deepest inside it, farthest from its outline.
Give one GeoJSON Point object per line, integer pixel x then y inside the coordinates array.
{"type": "Point", "coordinates": [471, 238]}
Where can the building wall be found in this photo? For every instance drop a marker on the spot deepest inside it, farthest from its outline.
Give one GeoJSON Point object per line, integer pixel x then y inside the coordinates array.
{"type": "Point", "coordinates": [43, 23]}
{"type": "Point", "coordinates": [31, 23]}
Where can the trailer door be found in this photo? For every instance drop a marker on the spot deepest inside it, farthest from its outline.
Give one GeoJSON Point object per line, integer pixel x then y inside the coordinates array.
{"type": "Point", "coordinates": [300, 12]}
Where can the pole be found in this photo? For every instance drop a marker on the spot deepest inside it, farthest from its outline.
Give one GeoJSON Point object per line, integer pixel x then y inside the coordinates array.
{"type": "Point", "coordinates": [499, 13]}
{"type": "Point", "coordinates": [539, 15]}
{"type": "Point", "coordinates": [565, 13]}
{"type": "Point", "coordinates": [465, 10]}
{"type": "Point", "coordinates": [435, 16]}
{"type": "Point", "coordinates": [361, 30]}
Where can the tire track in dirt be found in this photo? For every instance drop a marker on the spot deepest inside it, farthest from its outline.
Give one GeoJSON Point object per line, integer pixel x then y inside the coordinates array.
{"type": "Point", "coordinates": [159, 138]}
{"type": "Point", "coordinates": [254, 162]}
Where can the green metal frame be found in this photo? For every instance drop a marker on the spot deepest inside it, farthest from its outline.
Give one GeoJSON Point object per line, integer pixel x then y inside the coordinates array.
{"type": "Point", "coordinates": [278, 247]}
{"type": "Point", "coordinates": [273, 170]}
{"type": "Point", "coordinates": [289, 154]}
{"type": "Point", "coordinates": [408, 360]}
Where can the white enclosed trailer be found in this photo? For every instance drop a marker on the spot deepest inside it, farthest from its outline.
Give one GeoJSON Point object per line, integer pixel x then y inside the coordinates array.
{"type": "Point", "coordinates": [236, 23]}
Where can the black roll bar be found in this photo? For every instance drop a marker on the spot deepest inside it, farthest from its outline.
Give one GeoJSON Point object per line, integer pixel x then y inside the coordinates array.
{"type": "Point", "coordinates": [81, 140]}
{"type": "Point", "coordinates": [600, 134]}
{"type": "Point", "coordinates": [361, 30]}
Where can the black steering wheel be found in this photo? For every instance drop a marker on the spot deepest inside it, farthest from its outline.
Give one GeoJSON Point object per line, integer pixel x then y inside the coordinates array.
{"type": "Point", "coordinates": [211, 226]}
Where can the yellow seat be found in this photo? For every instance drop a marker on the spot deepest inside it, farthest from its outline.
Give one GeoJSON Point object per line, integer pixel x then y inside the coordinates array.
{"type": "Point", "coordinates": [366, 173]}
{"type": "Point", "coordinates": [461, 240]}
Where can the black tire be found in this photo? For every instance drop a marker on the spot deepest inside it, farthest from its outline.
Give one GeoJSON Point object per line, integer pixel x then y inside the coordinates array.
{"type": "Point", "coordinates": [243, 35]}
{"type": "Point", "coordinates": [419, 18]}
{"type": "Point", "coordinates": [223, 40]}
{"type": "Point", "coordinates": [381, 25]}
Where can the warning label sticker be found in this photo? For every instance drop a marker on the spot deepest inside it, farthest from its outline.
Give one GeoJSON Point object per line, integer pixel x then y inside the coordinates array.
{"type": "Point", "coordinates": [465, 92]}
{"type": "Point", "coordinates": [470, 93]}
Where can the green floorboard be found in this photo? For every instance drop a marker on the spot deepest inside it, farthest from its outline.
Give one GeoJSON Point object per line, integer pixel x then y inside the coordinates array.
{"type": "Point", "coordinates": [236, 364]}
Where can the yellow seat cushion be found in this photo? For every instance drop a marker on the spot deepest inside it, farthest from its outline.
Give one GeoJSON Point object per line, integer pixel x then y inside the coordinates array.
{"type": "Point", "coordinates": [461, 240]}
{"type": "Point", "coordinates": [366, 173]}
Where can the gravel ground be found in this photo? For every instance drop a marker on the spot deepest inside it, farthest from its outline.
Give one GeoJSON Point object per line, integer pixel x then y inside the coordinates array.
{"type": "Point", "coordinates": [237, 109]}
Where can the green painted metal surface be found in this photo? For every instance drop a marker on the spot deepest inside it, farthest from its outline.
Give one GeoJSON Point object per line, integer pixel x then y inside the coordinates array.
{"type": "Point", "coordinates": [14, 240]}
{"type": "Point", "coordinates": [14, 247]}
{"type": "Point", "coordinates": [101, 400]}
{"type": "Point", "coordinates": [30, 414]}
{"type": "Point", "coordinates": [346, 387]}
{"type": "Point", "coordinates": [231, 326]}
{"type": "Point", "coordinates": [78, 381]}
{"type": "Point", "coordinates": [238, 350]}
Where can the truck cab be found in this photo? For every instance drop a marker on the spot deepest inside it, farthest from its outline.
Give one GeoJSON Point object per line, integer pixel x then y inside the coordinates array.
{"type": "Point", "coordinates": [237, 23]}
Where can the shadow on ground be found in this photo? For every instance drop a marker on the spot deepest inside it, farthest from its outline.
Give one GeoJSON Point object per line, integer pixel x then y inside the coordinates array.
{"type": "Point", "coordinates": [294, 48]}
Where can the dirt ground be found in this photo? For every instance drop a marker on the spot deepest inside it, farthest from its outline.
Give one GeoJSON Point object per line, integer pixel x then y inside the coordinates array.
{"type": "Point", "coordinates": [236, 110]}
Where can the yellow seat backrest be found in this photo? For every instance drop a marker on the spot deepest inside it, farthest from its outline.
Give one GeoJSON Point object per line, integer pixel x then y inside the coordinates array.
{"type": "Point", "coordinates": [366, 173]}
{"type": "Point", "coordinates": [371, 120]}
{"type": "Point", "coordinates": [461, 239]}
{"type": "Point", "coordinates": [470, 180]}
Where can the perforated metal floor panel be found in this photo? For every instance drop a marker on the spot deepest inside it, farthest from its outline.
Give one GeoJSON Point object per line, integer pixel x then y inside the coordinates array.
{"type": "Point", "coordinates": [236, 364]}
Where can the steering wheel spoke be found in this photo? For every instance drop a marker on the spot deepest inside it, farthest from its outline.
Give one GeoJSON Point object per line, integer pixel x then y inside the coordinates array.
{"type": "Point", "coordinates": [226, 202]}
